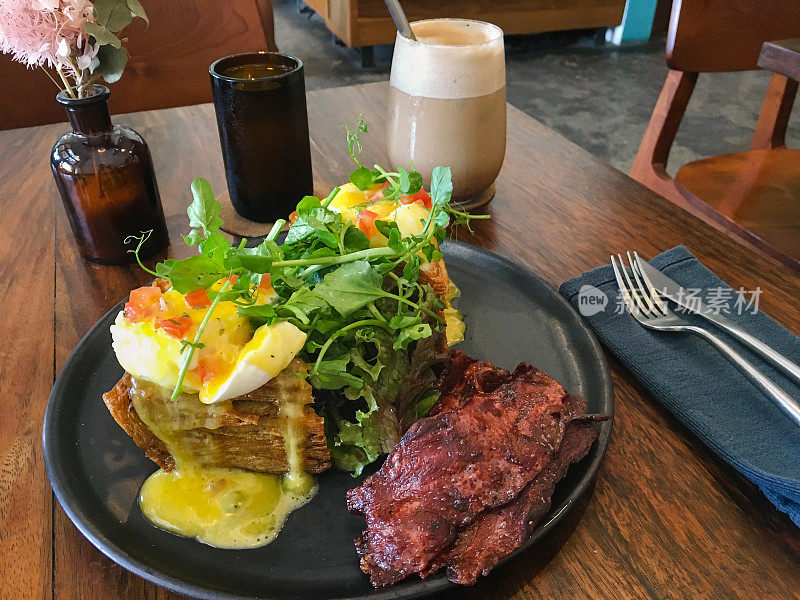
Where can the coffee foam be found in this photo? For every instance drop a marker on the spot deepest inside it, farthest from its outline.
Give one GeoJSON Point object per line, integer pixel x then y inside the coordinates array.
{"type": "Point", "coordinates": [447, 63]}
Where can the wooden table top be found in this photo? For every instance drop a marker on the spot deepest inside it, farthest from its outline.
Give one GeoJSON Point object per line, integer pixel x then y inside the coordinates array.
{"type": "Point", "coordinates": [782, 57]}
{"type": "Point", "coordinates": [666, 519]}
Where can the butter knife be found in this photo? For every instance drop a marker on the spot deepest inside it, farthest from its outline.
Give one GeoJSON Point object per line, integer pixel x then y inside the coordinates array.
{"type": "Point", "coordinates": [677, 293]}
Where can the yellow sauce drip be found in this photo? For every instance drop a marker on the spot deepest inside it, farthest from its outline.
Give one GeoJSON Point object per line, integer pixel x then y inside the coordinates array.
{"type": "Point", "coordinates": [296, 479]}
{"type": "Point", "coordinates": [224, 507]}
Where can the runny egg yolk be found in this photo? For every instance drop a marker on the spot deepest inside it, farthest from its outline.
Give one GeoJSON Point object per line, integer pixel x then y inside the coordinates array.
{"type": "Point", "coordinates": [225, 508]}
{"type": "Point", "coordinates": [233, 358]}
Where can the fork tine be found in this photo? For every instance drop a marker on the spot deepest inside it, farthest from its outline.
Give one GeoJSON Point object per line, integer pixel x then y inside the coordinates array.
{"type": "Point", "coordinates": [633, 290]}
{"type": "Point", "coordinates": [657, 299]}
{"type": "Point", "coordinates": [644, 291]}
{"type": "Point", "coordinates": [623, 288]}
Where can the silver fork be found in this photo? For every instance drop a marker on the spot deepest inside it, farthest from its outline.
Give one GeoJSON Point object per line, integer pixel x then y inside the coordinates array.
{"type": "Point", "coordinates": [647, 307]}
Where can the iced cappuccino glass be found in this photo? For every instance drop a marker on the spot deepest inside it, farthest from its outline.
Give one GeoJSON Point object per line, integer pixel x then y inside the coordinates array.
{"type": "Point", "coordinates": [447, 104]}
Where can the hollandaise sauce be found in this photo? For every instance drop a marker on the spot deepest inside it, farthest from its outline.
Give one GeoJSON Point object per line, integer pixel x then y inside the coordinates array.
{"type": "Point", "coordinates": [222, 507]}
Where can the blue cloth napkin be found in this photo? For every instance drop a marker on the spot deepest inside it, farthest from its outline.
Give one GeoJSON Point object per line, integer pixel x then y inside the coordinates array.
{"type": "Point", "coordinates": [693, 380]}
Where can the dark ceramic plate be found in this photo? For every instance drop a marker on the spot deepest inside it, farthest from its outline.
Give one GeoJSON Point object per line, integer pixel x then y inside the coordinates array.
{"type": "Point", "coordinates": [96, 470]}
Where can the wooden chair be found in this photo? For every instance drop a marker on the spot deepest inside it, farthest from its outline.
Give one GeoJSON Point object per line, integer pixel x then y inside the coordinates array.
{"type": "Point", "coordinates": [754, 195]}
{"type": "Point", "coordinates": [168, 65]}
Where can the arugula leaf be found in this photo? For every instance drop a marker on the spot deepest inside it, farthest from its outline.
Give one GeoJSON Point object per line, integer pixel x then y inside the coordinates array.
{"type": "Point", "coordinates": [441, 186]}
{"type": "Point", "coordinates": [327, 238]}
{"type": "Point", "coordinates": [414, 183]}
{"type": "Point", "coordinates": [264, 312]}
{"type": "Point", "coordinates": [411, 268]}
{"type": "Point", "coordinates": [331, 374]}
{"type": "Point", "coordinates": [251, 262]}
{"type": "Point", "coordinates": [307, 203]}
{"type": "Point", "coordinates": [354, 239]}
{"type": "Point", "coordinates": [410, 182]}
{"type": "Point", "coordinates": [215, 246]}
{"type": "Point", "coordinates": [410, 334]}
{"type": "Point", "coordinates": [363, 177]}
{"type": "Point", "coordinates": [204, 211]}
{"type": "Point", "coordinates": [351, 286]}
{"type": "Point", "coordinates": [385, 227]}
{"type": "Point", "coordinates": [190, 273]}
{"type": "Point", "coordinates": [307, 300]}
{"type": "Point", "coordinates": [404, 320]}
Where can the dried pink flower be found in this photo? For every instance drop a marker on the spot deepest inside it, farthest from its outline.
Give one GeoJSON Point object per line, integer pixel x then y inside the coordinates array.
{"type": "Point", "coordinates": [46, 32]}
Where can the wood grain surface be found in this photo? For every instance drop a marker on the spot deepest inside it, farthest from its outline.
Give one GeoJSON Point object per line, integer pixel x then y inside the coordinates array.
{"type": "Point", "coordinates": [666, 518]}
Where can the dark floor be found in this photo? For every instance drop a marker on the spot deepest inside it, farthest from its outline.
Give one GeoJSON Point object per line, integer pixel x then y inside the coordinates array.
{"type": "Point", "coordinates": [598, 97]}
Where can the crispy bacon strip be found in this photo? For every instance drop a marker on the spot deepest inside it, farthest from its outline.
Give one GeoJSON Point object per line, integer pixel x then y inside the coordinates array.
{"type": "Point", "coordinates": [497, 533]}
{"type": "Point", "coordinates": [476, 453]}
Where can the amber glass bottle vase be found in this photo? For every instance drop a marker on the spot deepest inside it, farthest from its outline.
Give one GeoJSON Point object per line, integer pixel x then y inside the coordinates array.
{"type": "Point", "coordinates": [105, 176]}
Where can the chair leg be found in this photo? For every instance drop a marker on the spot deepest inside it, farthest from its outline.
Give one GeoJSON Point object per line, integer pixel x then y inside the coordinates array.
{"type": "Point", "coordinates": [771, 128]}
{"type": "Point", "coordinates": [367, 57]}
{"type": "Point", "coordinates": [650, 165]}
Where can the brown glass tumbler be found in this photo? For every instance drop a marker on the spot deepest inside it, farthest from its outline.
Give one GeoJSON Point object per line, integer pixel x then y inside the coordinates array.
{"type": "Point", "coordinates": [260, 101]}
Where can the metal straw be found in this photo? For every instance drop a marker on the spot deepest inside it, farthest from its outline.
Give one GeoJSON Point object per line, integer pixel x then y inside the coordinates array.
{"type": "Point", "coordinates": [400, 19]}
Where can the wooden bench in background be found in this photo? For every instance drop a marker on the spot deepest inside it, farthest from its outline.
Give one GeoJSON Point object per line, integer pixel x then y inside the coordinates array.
{"type": "Point", "coordinates": [366, 23]}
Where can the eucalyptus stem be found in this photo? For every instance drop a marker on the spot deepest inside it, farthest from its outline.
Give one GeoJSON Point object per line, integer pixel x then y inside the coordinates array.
{"type": "Point", "coordinates": [53, 79]}
{"type": "Point", "coordinates": [89, 82]}
{"type": "Point", "coordinates": [196, 341]}
{"type": "Point", "coordinates": [67, 86]}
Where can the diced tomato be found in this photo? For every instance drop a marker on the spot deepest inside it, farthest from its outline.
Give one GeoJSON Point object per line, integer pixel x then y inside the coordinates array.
{"type": "Point", "coordinates": [366, 222]}
{"type": "Point", "coordinates": [421, 197]}
{"type": "Point", "coordinates": [177, 327]}
{"type": "Point", "coordinates": [293, 217]}
{"type": "Point", "coordinates": [233, 278]}
{"type": "Point", "coordinates": [266, 282]}
{"type": "Point", "coordinates": [207, 368]}
{"type": "Point", "coordinates": [141, 303]}
{"type": "Point", "coordinates": [145, 296]}
{"type": "Point", "coordinates": [138, 313]}
{"type": "Point", "coordinates": [197, 299]}
{"type": "Point", "coordinates": [379, 194]}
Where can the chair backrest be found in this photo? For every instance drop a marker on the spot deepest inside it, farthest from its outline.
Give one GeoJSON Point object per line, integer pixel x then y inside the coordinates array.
{"type": "Point", "coordinates": [707, 36]}
{"type": "Point", "coordinates": [168, 65]}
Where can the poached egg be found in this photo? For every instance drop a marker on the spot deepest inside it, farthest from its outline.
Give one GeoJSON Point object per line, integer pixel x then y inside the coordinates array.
{"type": "Point", "coordinates": [234, 358]}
